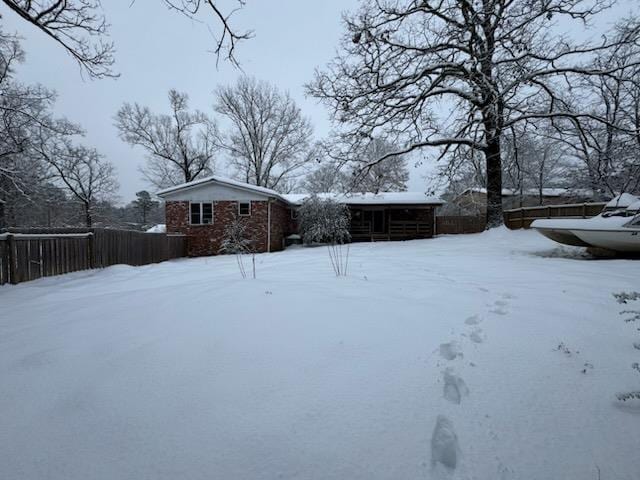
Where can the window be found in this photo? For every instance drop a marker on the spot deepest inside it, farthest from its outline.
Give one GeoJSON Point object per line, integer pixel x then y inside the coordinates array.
{"type": "Point", "coordinates": [244, 209]}
{"type": "Point", "coordinates": [201, 213]}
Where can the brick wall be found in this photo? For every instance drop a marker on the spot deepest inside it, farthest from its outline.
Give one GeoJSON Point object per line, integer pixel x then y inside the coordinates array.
{"type": "Point", "coordinates": [280, 225]}
{"type": "Point", "coordinates": [207, 239]}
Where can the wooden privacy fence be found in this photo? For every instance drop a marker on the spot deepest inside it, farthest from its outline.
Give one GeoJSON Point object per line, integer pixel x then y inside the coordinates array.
{"type": "Point", "coordinates": [524, 217]}
{"type": "Point", "coordinates": [452, 224]}
{"type": "Point", "coordinates": [34, 253]}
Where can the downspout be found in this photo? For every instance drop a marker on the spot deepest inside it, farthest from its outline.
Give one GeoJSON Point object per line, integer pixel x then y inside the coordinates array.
{"type": "Point", "coordinates": [269, 225]}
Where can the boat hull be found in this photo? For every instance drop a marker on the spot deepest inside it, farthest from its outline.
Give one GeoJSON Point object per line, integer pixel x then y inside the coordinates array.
{"type": "Point", "coordinates": [566, 237]}
{"type": "Point", "coordinates": [619, 241]}
{"type": "Point", "coordinates": [617, 233]}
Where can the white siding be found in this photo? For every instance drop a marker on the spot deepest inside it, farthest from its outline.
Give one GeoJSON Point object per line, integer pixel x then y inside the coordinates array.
{"type": "Point", "coordinates": [213, 192]}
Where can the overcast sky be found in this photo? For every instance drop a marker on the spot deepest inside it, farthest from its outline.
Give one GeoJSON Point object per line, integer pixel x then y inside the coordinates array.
{"type": "Point", "coordinates": [158, 50]}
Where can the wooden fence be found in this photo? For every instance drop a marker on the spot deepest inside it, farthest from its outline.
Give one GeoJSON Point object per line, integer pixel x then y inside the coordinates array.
{"type": "Point", "coordinates": [523, 217]}
{"type": "Point", "coordinates": [28, 254]}
{"type": "Point", "coordinates": [452, 224]}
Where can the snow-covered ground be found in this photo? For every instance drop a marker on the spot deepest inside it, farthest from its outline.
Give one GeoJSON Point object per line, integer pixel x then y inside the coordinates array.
{"type": "Point", "coordinates": [490, 356]}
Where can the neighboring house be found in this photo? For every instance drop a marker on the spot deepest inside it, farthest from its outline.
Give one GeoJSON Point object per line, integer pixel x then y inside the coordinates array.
{"type": "Point", "coordinates": [474, 200]}
{"type": "Point", "coordinates": [203, 208]}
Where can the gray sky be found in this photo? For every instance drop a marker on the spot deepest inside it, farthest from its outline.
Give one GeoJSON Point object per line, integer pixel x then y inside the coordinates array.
{"type": "Point", "coordinates": [158, 50]}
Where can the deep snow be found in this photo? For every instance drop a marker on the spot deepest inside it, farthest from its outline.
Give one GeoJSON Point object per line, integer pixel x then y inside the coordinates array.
{"type": "Point", "coordinates": [460, 357]}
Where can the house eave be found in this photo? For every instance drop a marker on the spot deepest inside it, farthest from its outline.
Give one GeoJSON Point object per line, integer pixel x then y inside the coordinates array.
{"type": "Point", "coordinates": [220, 181]}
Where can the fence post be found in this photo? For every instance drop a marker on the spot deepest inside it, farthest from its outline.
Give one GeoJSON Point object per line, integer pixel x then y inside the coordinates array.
{"type": "Point", "coordinates": [13, 260]}
{"type": "Point", "coordinates": [90, 250]}
{"type": "Point", "coordinates": [522, 217]}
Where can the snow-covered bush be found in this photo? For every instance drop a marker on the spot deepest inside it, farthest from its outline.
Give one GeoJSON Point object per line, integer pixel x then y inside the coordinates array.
{"type": "Point", "coordinates": [625, 298]}
{"type": "Point", "coordinates": [237, 241]}
{"type": "Point", "coordinates": [327, 221]}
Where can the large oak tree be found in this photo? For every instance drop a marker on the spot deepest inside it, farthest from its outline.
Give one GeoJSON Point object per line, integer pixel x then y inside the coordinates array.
{"type": "Point", "coordinates": [458, 74]}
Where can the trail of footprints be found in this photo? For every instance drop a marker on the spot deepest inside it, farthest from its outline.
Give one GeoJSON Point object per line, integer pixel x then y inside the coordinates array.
{"type": "Point", "coordinates": [445, 449]}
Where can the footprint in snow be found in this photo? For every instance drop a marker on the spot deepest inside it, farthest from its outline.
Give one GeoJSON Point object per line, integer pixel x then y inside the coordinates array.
{"type": "Point", "coordinates": [450, 351]}
{"type": "Point", "coordinates": [473, 320]}
{"type": "Point", "coordinates": [444, 445]}
{"type": "Point", "coordinates": [500, 307]}
{"type": "Point", "coordinates": [454, 387]}
{"type": "Point", "coordinates": [476, 336]}
{"type": "Point", "coordinates": [499, 311]}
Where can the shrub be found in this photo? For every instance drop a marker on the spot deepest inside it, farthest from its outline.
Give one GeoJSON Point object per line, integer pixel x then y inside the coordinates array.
{"type": "Point", "coordinates": [327, 221]}
{"type": "Point", "coordinates": [237, 241]}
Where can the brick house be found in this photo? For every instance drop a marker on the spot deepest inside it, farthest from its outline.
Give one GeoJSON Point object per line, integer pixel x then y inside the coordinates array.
{"type": "Point", "coordinates": [201, 210]}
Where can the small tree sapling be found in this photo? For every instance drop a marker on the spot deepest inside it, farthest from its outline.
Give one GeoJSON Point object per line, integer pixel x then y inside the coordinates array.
{"type": "Point", "coordinates": [238, 242]}
{"type": "Point", "coordinates": [327, 221]}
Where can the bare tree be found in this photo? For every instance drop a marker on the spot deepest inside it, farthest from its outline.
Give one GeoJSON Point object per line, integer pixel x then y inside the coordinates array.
{"type": "Point", "coordinates": [458, 74]}
{"type": "Point", "coordinates": [80, 170]}
{"type": "Point", "coordinates": [533, 161]}
{"type": "Point", "coordinates": [388, 175]}
{"type": "Point", "coordinates": [81, 29]}
{"type": "Point", "coordinates": [227, 41]}
{"type": "Point", "coordinates": [25, 117]}
{"type": "Point", "coordinates": [23, 108]}
{"type": "Point", "coordinates": [269, 142]}
{"type": "Point", "coordinates": [609, 152]}
{"type": "Point", "coordinates": [180, 147]}
{"type": "Point", "coordinates": [327, 178]}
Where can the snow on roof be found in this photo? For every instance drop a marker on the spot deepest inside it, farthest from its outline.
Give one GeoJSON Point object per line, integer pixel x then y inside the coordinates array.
{"type": "Point", "coordinates": [160, 228]}
{"type": "Point", "coordinates": [546, 192]}
{"type": "Point", "coordinates": [224, 181]}
{"type": "Point", "coordinates": [622, 201]}
{"type": "Point", "coordinates": [382, 198]}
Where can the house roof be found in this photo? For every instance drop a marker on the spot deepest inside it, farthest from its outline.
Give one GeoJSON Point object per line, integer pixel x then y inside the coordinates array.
{"type": "Point", "coordinates": [382, 198]}
{"type": "Point", "coordinates": [224, 181]}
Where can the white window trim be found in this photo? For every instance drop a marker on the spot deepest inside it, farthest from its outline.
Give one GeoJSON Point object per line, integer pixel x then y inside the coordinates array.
{"type": "Point", "coordinates": [201, 213]}
{"type": "Point", "coordinates": [244, 214]}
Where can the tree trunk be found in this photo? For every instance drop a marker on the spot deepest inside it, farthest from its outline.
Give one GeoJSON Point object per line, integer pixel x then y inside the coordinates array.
{"type": "Point", "coordinates": [87, 215]}
{"type": "Point", "coordinates": [494, 183]}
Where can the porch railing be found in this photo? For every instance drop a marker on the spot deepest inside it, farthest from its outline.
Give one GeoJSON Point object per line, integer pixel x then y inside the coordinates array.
{"type": "Point", "coordinates": [408, 229]}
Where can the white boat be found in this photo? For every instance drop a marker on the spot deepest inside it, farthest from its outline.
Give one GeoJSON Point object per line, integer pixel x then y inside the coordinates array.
{"type": "Point", "coordinates": [616, 229]}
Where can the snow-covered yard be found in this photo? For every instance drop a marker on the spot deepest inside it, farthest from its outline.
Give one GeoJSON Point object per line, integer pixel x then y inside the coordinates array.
{"type": "Point", "coordinates": [490, 356]}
